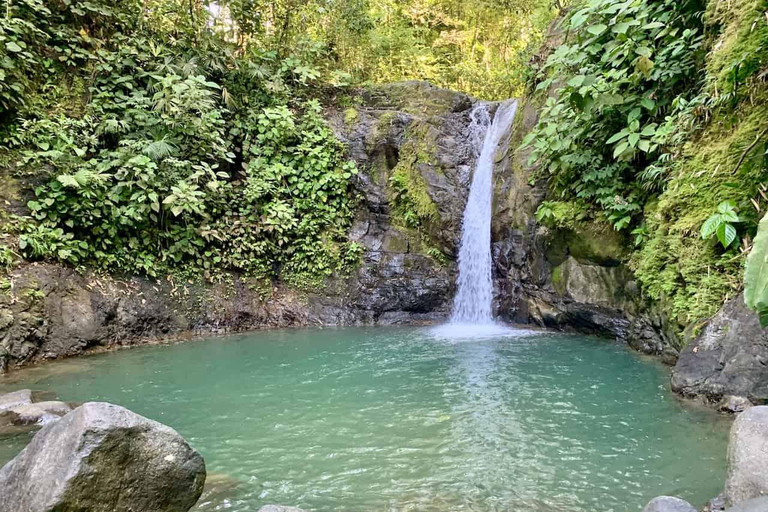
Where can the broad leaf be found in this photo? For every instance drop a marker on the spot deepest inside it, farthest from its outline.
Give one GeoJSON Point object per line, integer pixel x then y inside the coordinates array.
{"type": "Point", "coordinates": [597, 29]}
{"type": "Point", "coordinates": [710, 226]}
{"type": "Point", "coordinates": [756, 274]}
{"type": "Point", "coordinates": [726, 233]}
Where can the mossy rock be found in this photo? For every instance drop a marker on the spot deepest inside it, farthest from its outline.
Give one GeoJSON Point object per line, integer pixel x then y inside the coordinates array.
{"type": "Point", "coordinates": [416, 97]}
{"type": "Point", "coordinates": [590, 243]}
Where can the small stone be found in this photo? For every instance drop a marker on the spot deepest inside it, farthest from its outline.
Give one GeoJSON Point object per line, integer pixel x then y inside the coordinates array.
{"type": "Point", "coordinates": [668, 504]}
{"type": "Point", "coordinates": [732, 403]}
{"type": "Point", "coordinates": [716, 504]}
{"type": "Point", "coordinates": [748, 457]}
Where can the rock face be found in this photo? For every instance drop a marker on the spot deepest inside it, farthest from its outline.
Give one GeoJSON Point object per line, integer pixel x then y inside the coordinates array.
{"type": "Point", "coordinates": [103, 458]}
{"type": "Point", "coordinates": [748, 457]}
{"type": "Point", "coordinates": [668, 504]}
{"type": "Point", "coordinates": [730, 357]}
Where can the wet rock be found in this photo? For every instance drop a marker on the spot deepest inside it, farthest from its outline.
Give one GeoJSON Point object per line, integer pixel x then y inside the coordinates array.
{"type": "Point", "coordinates": [730, 357]}
{"type": "Point", "coordinates": [103, 458]}
{"type": "Point", "coordinates": [733, 404]}
{"type": "Point", "coordinates": [15, 399]}
{"type": "Point", "coordinates": [668, 504]}
{"type": "Point", "coordinates": [755, 505]}
{"type": "Point", "coordinates": [279, 508]}
{"type": "Point", "coordinates": [748, 457]}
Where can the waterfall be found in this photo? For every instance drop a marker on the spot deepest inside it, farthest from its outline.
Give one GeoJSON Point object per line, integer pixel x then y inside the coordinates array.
{"type": "Point", "coordinates": [472, 304]}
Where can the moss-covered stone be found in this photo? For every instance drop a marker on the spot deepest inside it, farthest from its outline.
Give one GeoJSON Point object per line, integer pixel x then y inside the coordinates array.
{"type": "Point", "coordinates": [418, 98]}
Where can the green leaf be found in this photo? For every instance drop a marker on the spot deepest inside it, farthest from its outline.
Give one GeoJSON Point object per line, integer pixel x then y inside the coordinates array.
{"type": "Point", "coordinates": [726, 233]}
{"type": "Point", "coordinates": [633, 139]}
{"type": "Point", "coordinates": [617, 137]}
{"type": "Point", "coordinates": [645, 65]}
{"type": "Point", "coordinates": [644, 145]}
{"type": "Point", "coordinates": [620, 149]}
{"type": "Point", "coordinates": [653, 24]}
{"type": "Point", "coordinates": [644, 51]}
{"type": "Point", "coordinates": [648, 103]}
{"type": "Point", "coordinates": [68, 180]}
{"type": "Point", "coordinates": [579, 18]}
{"type": "Point", "coordinates": [620, 28]}
{"type": "Point", "coordinates": [597, 29]}
{"type": "Point", "coordinates": [13, 47]}
{"type": "Point", "coordinates": [710, 226]}
{"type": "Point", "coordinates": [756, 274]}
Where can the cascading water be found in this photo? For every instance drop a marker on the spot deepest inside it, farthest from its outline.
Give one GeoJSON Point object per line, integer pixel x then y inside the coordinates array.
{"type": "Point", "coordinates": [472, 304]}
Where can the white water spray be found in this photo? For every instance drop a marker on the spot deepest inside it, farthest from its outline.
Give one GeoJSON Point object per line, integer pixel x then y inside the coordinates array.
{"type": "Point", "coordinates": [472, 304]}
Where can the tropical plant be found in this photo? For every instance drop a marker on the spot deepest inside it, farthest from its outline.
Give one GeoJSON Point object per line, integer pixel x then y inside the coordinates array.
{"type": "Point", "coordinates": [756, 274]}
{"type": "Point", "coordinates": [721, 224]}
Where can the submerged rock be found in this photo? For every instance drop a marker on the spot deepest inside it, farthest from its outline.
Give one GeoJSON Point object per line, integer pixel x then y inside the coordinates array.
{"type": "Point", "coordinates": [668, 504]}
{"type": "Point", "coordinates": [748, 457]}
{"type": "Point", "coordinates": [729, 358]}
{"type": "Point", "coordinates": [103, 458]}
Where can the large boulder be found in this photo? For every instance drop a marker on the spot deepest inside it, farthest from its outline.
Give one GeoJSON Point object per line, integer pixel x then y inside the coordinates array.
{"type": "Point", "coordinates": [729, 358]}
{"type": "Point", "coordinates": [103, 458]}
{"type": "Point", "coordinates": [748, 457]}
{"type": "Point", "coordinates": [668, 504]}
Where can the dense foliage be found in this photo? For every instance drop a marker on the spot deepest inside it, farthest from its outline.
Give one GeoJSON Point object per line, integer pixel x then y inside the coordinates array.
{"type": "Point", "coordinates": [637, 135]}
{"type": "Point", "coordinates": [477, 46]}
{"type": "Point", "coordinates": [159, 147]}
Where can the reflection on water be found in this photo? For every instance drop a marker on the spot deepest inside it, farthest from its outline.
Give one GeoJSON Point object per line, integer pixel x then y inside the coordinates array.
{"type": "Point", "coordinates": [397, 419]}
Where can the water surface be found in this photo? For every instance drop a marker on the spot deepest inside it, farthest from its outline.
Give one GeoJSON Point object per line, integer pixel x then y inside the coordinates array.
{"type": "Point", "coordinates": [393, 419]}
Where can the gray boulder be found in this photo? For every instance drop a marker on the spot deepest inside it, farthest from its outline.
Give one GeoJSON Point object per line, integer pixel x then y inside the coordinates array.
{"type": "Point", "coordinates": [748, 457]}
{"type": "Point", "coordinates": [103, 458]}
{"type": "Point", "coordinates": [755, 505]}
{"type": "Point", "coordinates": [729, 358]}
{"type": "Point", "coordinates": [668, 504]}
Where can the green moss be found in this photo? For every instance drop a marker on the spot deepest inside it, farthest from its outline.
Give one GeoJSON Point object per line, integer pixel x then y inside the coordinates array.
{"type": "Point", "coordinates": [558, 279]}
{"type": "Point", "coordinates": [418, 98]}
{"type": "Point", "coordinates": [690, 275]}
{"type": "Point", "coordinates": [413, 206]}
{"type": "Point", "coordinates": [741, 50]}
{"type": "Point", "coordinates": [351, 115]}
